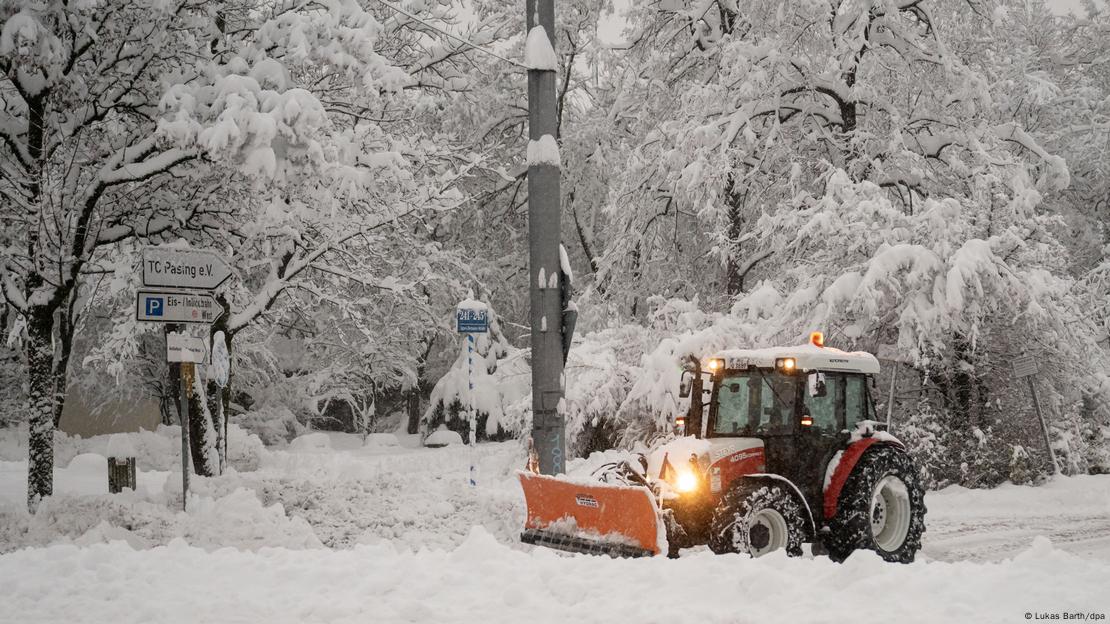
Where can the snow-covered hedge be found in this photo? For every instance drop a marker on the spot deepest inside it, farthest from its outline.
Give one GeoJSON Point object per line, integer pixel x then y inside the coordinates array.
{"type": "Point", "coordinates": [153, 450]}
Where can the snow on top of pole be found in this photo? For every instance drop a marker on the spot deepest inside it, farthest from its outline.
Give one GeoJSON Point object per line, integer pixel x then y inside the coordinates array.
{"type": "Point", "coordinates": [538, 53]}
{"type": "Point", "coordinates": [544, 152]}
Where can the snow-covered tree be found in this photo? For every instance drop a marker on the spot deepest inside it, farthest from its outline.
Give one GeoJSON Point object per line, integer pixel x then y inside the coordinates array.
{"type": "Point", "coordinates": [82, 166]}
{"type": "Point", "coordinates": [268, 131]}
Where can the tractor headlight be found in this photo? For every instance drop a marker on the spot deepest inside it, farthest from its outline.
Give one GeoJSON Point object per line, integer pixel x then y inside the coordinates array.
{"type": "Point", "coordinates": [787, 365]}
{"type": "Point", "coordinates": [686, 482]}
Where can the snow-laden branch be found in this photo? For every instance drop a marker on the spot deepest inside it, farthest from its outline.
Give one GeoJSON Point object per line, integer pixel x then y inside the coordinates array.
{"type": "Point", "coordinates": [279, 282]}
{"type": "Point", "coordinates": [11, 291]}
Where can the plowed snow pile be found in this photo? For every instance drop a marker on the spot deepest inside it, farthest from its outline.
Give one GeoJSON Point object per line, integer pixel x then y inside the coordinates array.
{"type": "Point", "coordinates": [484, 581]}
{"type": "Point", "coordinates": [337, 530]}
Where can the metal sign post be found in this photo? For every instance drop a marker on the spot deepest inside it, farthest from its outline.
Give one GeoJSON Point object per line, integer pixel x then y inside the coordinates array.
{"type": "Point", "coordinates": [471, 317]}
{"type": "Point", "coordinates": [183, 419]}
{"type": "Point", "coordinates": [186, 351]}
{"type": "Point", "coordinates": [1026, 366]}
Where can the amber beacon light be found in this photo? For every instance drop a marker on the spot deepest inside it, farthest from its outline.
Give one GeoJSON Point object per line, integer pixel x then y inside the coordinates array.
{"type": "Point", "coordinates": [817, 338]}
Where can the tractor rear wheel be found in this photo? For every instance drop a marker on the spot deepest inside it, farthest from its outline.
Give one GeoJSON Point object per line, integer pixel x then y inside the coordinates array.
{"type": "Point", "coordinates": [757, 518]}
{"type": "Point", "coordinates": [881, 508]}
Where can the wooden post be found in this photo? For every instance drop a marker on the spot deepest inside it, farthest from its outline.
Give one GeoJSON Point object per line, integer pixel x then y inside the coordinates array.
{"type": "Point", "coordinates": [183, 417]}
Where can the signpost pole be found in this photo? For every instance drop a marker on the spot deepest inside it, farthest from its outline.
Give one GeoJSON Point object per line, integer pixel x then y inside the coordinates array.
{"type": "Point", "coordinates": [1026, 366]}
{"type": "Point", "coordinates": [185, 376]}
{"type": "Point", "coordinates": [890, 399]}
{"type": "Point", "coordinates": [470, 401]}
{"type": "Point", "coordinates": [1044, 425]}
{"type": "Point", "coordinates": [471, 317]}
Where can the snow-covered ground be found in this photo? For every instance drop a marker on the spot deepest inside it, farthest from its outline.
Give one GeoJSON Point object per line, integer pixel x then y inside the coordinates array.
{"type": "Point", "coordinates": [332, 530]}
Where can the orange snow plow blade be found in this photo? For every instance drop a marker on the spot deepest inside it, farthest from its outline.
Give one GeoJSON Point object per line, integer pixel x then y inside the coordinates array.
{"type": "Point", "coordinates": [619, 521]}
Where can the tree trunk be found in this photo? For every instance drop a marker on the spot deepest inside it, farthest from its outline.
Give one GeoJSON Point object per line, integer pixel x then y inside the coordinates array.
{"type": "Point", "coordinates": [40, 445]}
{"type": "Point", "coordinates": [215, 394]}
{"type": "Point", "coordinates": [734, 279]}
{"type": "Point", "coordinates": [962, 383]}
{"type": "Point", "coordinates": [66, 331]}
{"type": "Point", "coordinates": [202, 431]}
{"type": "Point", "coordinates": [412, 395]}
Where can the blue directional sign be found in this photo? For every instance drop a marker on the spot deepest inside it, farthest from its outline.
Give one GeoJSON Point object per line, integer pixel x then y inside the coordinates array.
{"type": "Point", "coordinates": [472, 320]}
{"type": "Point", "coordinates": [177, 307]}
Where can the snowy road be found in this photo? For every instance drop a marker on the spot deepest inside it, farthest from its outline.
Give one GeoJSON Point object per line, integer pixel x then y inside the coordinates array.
{"type": "Point", "coordinates": [1074, 512]}
{"type": "Point", "coordinates": [394, 535]}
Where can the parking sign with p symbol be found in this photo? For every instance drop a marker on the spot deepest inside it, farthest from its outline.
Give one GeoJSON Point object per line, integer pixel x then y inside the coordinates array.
{"type": "Point", "coordinates": [154, 306]}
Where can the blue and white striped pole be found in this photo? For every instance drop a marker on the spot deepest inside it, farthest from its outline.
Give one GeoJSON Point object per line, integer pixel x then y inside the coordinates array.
{"type": "Point", "coordinates": [473, 420]}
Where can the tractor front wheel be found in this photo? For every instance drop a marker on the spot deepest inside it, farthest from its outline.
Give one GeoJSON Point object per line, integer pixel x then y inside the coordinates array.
{"type": "Point", "coordinates": [881, 508]}
{"type": "Point", "coordinates": [757, 518]}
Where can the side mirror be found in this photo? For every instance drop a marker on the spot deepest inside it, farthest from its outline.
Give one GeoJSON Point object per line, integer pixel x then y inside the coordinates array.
{"type": "Point", "coordinates": [816, 385]}
{"type": "Point", "coordinates": [684, 385]}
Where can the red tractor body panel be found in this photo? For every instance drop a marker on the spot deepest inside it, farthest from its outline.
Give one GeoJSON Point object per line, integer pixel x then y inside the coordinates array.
{"type": "Point", "coordinates": [727, 469]}
{"type": "Point", "coordinates": [848, 461]}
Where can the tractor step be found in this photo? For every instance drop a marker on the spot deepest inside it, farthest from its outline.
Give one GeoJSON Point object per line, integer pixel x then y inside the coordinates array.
{"type": "Point", "coordinates": [575, 544]}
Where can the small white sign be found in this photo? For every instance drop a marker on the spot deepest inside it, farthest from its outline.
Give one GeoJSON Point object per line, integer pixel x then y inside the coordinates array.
{"type": "Point", "coordinates": [186, 348]}
{"type": "Point", "coordinates": [168, 267]}
{"type": "Point", "coordinates": [1025, 366]}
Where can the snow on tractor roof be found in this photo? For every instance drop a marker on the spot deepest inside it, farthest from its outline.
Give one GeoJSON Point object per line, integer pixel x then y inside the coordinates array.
{"type": "Point", "coordinates": [808, 357]}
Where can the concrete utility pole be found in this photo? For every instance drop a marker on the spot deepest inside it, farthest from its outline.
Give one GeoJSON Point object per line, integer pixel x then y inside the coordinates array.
{"type": "Point", "coordinates": [543, 261]}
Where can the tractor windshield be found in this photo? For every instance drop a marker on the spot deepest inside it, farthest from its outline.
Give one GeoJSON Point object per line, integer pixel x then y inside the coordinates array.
{"type": "Point", "coordinates": [755, 402]}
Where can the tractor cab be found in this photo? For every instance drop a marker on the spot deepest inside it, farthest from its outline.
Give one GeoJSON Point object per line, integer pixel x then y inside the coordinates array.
{"type": "Point", "coordinates": [798, 404]}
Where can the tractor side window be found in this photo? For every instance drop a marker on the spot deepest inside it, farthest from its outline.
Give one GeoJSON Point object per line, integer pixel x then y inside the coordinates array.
{"type": "Point", "coordinates": [855, 400]}
{"type": "Point", "coordinates": [823, 409]}
{"type": "Point", "coordinates": [732, 406]}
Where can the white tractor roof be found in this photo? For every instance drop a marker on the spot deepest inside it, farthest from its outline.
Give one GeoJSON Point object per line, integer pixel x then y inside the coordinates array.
{"type": "Point", "coordinates": [808, 357]}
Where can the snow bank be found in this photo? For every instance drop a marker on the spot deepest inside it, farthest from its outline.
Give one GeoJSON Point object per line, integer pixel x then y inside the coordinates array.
{"type": "Point", "coordinates": [311, 442]}
{"type": "Point", "coordinates": [238, 519]}
{"type": "Point", "coordinates": [381, 440]}
{"type": "Point", "coordinates": [443, 437]}
{"type": "Point", "coordinates": [483, 581]}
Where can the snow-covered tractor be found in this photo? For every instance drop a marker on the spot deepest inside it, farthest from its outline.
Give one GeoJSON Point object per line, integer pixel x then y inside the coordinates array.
{"type": "Point", "coordinates": [788, 452]}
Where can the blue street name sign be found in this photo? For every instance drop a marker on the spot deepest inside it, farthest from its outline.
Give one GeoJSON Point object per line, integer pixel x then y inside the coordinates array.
{"type": "Point", "coordinates": [472, 321]}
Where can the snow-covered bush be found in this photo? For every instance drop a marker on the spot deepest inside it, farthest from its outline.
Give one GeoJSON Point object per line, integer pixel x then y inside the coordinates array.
{"type": "Point", "coordinates": [488, 374]}
{"type": "Point", "coordinates": [274, 424]}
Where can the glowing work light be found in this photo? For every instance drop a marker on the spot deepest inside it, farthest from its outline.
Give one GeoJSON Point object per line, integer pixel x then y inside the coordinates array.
{"type": "Point", "coordinates": [687, 482]}
{"type": "Point", "coordinates": [786, 365]}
